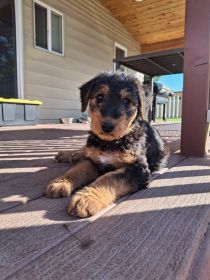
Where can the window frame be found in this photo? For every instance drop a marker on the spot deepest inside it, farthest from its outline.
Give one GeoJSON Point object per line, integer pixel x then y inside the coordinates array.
{"type": "Point", "coordinates": [123, 48]}
{"type": "Point", "coordinates": [49, 27]}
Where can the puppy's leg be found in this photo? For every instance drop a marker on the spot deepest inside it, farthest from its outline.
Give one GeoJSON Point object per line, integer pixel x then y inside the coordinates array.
{"type": "Point", "coordinates": [79, 175]}
{"type": "Point", "coordinates": [107, 189]}
{"type": "Point", "coordinates": [72, 157]}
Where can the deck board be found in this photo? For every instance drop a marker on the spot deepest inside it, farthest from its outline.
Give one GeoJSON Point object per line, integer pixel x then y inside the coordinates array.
{"type": "Point", "coordinates": [153, 234]}
{"type": "Point", "coordinates": [30, 225]}
{"type": "Point", "coordinates": [26, 161]}
{"type": "Point", "coordinates": [157, 233]}
{"type": "Point", "coordinates": [29, 230]}
{"type": "Point", "coordinates": [27, 187]}
{"type": "Point", "coordinates": [201, 265]}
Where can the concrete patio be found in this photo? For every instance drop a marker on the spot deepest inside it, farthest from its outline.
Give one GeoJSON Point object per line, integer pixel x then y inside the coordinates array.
{"type": "Point", "coordinates": [161, 232]}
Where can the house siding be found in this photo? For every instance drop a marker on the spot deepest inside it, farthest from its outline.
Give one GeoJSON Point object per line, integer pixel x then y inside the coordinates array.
{"type": "Point", "coordinates": [90, 32]}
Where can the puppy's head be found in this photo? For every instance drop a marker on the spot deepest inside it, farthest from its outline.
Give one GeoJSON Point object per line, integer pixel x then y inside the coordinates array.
{"type": "Point", "coordinates": [115, 102]}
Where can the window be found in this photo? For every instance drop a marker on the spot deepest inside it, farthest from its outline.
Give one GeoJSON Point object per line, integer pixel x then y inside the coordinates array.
{"type": "Point", "coordinates": [119, 52]}
{"type": "Point", "coordinates": [48, 28]}
{"type": "Point", "coordinates": [41, 26]}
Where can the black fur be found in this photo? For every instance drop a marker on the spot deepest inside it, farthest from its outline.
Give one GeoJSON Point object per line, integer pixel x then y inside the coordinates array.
{"type": "Point", "coordinates": [116, 82]}
{"type": "Point", "coordinates": [143, 142]}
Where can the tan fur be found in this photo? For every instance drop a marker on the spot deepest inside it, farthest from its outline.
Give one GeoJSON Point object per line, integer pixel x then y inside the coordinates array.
{"type": "Point", "coordinates": [122, 126]}
{"type": "Point", "coordinates": [125, 93]}
{"type": "Point", "coordinates": [102, 89]}
{"type": "Point", "coordinates": [101, 193]}
{"type": "Point", "coordinates": [116, 159]}
{"type": "Point", "coordinates": [79, 175]}
{"type": "Point", "coordinates": [70, 156]}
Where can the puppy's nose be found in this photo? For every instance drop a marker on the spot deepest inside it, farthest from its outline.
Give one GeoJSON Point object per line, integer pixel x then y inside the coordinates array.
{"type": "Point", "coordinates": [107, 127]}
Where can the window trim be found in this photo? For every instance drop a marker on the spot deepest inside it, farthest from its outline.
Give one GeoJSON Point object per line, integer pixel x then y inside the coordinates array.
{"type": "Point", "coordinates": [49, 31]}
{"type": "Point", "coordinates": [123, 48]}
{"type": "Point", "coordinates": [19, 47]}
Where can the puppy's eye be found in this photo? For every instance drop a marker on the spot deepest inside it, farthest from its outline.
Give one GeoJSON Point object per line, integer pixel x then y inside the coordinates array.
{"type": "Point", "coordinates": [126, 101]}
{"type": "Point", "coordinates": [99, 98]}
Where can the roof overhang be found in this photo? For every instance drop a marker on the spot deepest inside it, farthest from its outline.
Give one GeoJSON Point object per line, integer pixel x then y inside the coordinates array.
{"type": "Point", "coordinates": [155, 63]}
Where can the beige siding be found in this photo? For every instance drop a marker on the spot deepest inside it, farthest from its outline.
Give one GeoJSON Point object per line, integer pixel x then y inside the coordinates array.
{"type": "Point", "coordinates": [90, 33]}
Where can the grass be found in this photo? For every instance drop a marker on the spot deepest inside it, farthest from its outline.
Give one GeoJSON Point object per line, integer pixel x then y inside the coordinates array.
{"type": "Point", "coordinates": [173, 120]}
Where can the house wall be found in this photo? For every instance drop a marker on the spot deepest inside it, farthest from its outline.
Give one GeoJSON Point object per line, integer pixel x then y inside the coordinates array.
{"type": "Point", "coordinates": [90, 32]}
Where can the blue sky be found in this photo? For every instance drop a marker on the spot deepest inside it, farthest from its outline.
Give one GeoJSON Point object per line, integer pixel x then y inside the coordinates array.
{"type": "Point", "coordinates": [173, 82]}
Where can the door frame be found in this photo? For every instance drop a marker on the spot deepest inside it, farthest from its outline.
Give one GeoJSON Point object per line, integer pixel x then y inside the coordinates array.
{"type": "Point", "coordinates": [19, 47]}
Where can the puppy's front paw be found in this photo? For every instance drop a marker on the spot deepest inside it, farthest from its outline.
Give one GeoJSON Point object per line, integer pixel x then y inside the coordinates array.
{"type": "Point", "coordinates": [59, 187]}
{"type": "Point", "coordinates": [63, 156]}
{"type": "Point", "coordinates": [84, 204]}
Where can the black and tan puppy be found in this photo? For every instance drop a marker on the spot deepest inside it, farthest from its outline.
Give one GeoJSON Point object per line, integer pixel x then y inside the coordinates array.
{"type": "Point", "coordinates": [121, 151]}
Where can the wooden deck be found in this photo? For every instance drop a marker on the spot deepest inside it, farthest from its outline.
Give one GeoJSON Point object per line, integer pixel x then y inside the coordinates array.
{"type": "Point", "coordinates": [162, 232]}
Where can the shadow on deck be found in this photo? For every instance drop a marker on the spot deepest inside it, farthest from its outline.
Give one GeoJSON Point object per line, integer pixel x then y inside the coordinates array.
{"type": "Point", "coordinates": [157, 233]}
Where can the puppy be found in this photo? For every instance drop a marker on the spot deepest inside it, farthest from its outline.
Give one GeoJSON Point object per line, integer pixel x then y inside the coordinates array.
{"type": "Point", "coordinates": [121, 151]}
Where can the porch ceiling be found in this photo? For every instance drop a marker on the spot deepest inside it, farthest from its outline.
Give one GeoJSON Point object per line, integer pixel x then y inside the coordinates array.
{"type": "Point", "coordinates": [156, 25]}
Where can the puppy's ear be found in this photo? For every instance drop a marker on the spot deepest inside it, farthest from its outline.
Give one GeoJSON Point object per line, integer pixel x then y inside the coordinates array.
{"type": "Point", "coordinates": [141, 93]}
{"type": "Point", "coordinates": [85, 94]}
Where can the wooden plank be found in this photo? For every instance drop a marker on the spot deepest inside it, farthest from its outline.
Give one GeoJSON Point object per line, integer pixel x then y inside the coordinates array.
{"type": "Point", "coordinates": [19, 223]}
{"type": "Point", "coordinates": [141, 18]}
{"type": "Point", "coordinates": [154, 234]}
{"type": "Point", "coordinates": [26, 161]}
{"type": "Point", "coordinates": [201, 265]}
{"type": "Point", "coordinates": [151, 38]}
{"type": "Point", "coordinates": [37, 227]}
{"type": "Point", "coordinates": [25, 171]}
{"type": "Point", "coordinates": [164, 45]}
{"type": "Point", "coordinates": [174, 25]}
{"type": "Point", "coordinates": [29, 230]}
{"type": "Point", "coordinates": [30, 226]}
{"type": "Point", "coordinates": [130, 7]}
{"type": "Point", "coordinates": [16, 190]}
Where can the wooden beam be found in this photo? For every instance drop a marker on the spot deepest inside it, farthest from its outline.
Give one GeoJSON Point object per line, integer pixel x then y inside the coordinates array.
{"type": "Point", "coordinates": [196, 78]}
{"type": "Point", "coordinates": [152, 38]}
{"type": "Point", "coordinates": [165, 45]}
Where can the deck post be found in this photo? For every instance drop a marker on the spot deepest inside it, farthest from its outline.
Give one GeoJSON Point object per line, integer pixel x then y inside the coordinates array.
{"type": "Point", "coordinates": [196, 78]}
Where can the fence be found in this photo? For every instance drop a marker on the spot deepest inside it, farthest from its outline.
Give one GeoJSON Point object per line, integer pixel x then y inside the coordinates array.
{"type": "Point", "coordinates": [173, 108]}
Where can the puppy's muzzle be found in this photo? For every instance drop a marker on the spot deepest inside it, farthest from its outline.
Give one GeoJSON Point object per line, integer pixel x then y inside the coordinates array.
{"type": "Point", "coordinates": [107, 126]}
